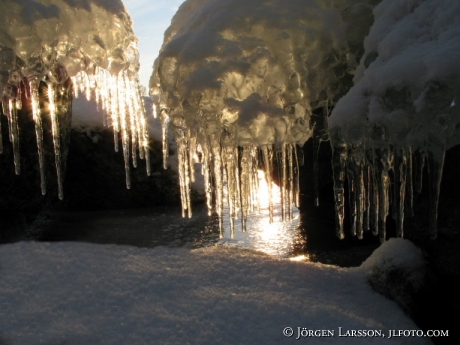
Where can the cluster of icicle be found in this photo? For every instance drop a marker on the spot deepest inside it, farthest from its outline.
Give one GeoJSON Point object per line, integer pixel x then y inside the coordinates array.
{"type": "Point", "coordinates": [401, 115]}
{"type": "Point", "coordinates": [93, 43]}
{"type": "Point", "coordinates": [381, 180]}
{"type": "Point", "coordinates": [12, 102]}
{"type": "Point", "coordinates": [118, 96]}
{"type": "Point", "coordinates": [231, 172]}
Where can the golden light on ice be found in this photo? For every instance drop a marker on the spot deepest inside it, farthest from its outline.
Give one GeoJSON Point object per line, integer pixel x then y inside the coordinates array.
{"type": "Point", "coordinates": [265, 194]}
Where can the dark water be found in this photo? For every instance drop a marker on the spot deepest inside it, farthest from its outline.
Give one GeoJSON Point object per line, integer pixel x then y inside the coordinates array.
{"type": "Point", "coordinates": [164, 226]}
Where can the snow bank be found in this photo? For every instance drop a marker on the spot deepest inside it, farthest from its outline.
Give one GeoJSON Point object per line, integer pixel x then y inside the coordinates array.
{"type": "Point", "coordinates": [81, 293]}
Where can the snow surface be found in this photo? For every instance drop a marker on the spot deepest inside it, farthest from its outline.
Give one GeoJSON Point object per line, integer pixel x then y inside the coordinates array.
{"type": "Point", "coordinates": [79, 293]}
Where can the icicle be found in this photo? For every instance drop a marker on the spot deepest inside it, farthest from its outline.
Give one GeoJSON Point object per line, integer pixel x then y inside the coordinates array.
{"type": "Point", "coordinates": [356, 188]}
{"type": "Point", "coordinates": [254, 180]}
{"type": "Point", "coordinates": [400, 172]}
{"type": "Point", "coordinates": [184, 176]}
{"type": "Point", "coordinates": [114, 109]}
{"type": "Point", "coordinates": [373, 193]}
{"type": "Point", "coordinates": [206, 169]}
{"type": "Point", "coordinates": [410, 184]}
{"type": "Point", "coordinates": [419, 156]}
{"type": "Point", "coordinates": [375, 205]}
{"type": "Point", "coordinates": [36, 112]}
{"type": "Point", "coordinates": [56, 138]}
{"type": "Point", "coordinates": [281, 157]}
{"type": "Point", "coordinates": [320, 133]}
{"type": "Point", "coordinates": [297, 175]}
{"type": "Point", "coordinates": [360, 194]}
{"type": "Point", "coordinates": [14, 133]}
{"type": "Point", "coordinates": [267, 153]}
{"type": "Point", "coordinates": [124, 127]}
{"type": "Point", "coordinates": [316, 145]}
{"type": "Point", "coordinates": [164, 116]}
{"type": "Point", "coordinates": [435, 162]}
{"type": "Point", "coordinates": [339, 160]}
{"type": "Point", "coordinates": [87, 87]}
{"type": "Point", "coordinates": [383, 157]}
{"type": "Point", "coordinates": [230, 159]}
{"type": "Point", "coordinates": [145, 144]}
{"type": "Point", "coordinates": [134, 128]}
{"type": "Point", "coordinates": [367, 196]}
{"type": "Point", "coordinates": [291, 186]}
{"type": "Point", "coordinates": [191, 155]}
{"type": "Point", "coordinates": [351, 195]}
{"type": "Point", "coordinates": [217, 164]}
{"type": "Point", "coordinates": [246, 182]}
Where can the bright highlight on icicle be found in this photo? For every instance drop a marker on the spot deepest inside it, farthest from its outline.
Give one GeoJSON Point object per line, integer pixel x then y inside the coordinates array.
{"type": "Point", "coordinates": [44, 43]}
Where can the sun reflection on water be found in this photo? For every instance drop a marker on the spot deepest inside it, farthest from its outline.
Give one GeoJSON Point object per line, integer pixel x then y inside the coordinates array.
{"type": "Point", "coordinates": [277, 238]}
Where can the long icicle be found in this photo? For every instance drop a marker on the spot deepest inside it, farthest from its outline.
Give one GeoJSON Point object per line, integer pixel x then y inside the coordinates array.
{"type": "Point", "coordinates": [339, 159]}
{"type": "Point", "coordinates": [121, 87]}
{"type": "Point", "coordinates": [36, 112]}
{"type": "Point", "coordinates": [268, 163]}
{"type": "Point", "coordinates": [56, 139]}
{"type": "Point", "coordinates": [435, 167]}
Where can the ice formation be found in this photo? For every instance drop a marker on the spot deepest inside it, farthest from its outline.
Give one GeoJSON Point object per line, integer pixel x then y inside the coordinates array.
{"type": "Point", "coordinates": [43, 43]}
{"type": "Point", "coordinates": [401, 114]}
{"type": "Point", "coordinates": [243, 84]}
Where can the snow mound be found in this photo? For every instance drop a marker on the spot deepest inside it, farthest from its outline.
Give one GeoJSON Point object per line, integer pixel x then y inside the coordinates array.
{"type": "Point", "coordinates": [398, 270]}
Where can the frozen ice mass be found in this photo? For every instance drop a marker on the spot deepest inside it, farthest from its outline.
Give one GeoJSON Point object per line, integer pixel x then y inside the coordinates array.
{"type": "Point", "coordinates": [243, 84]}
{"type": "Point", "coordinates": [45, 44]}
{"type": "Point", "coordinates": [401, 113]}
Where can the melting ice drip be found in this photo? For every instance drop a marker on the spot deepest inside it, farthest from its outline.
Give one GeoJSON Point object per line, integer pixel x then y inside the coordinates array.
{"type": "Point", "coordinates": [44, 44]}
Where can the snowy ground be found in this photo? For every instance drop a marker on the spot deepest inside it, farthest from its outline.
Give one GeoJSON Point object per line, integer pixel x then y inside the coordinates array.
{"type": "Point", "coordinates": [80, 293]}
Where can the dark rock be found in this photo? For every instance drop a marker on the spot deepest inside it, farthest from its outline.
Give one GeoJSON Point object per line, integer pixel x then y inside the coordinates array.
{"type": "Point", "coordinates": [94, 175]}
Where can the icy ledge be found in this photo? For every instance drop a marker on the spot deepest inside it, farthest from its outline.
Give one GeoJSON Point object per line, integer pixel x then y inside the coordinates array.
{"type": "Point", "coordinates": [237, 83]}
{"type": "Point", "coordinates": [242, 84]}
{"type": "Point", "coordinates": [43, 44]}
